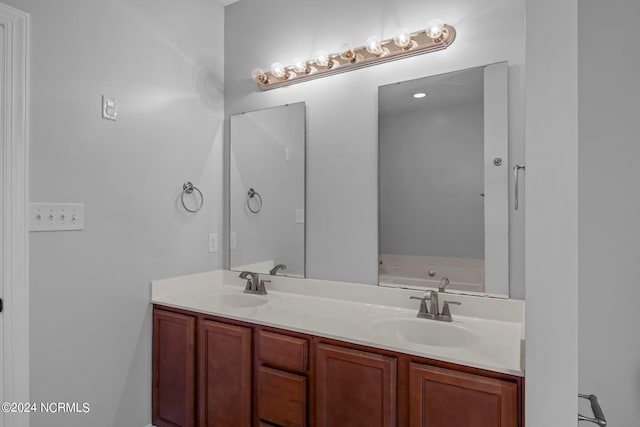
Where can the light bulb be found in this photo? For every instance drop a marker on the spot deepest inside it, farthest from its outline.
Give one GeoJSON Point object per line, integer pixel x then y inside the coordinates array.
{"type": "Point", "coordinates": [347, 52]}
{"type": "Point", "coordinates": [419, 95]}
{"type": "Point", "coordinates": [435, 28]}
{"type": "Point", "coordinates": [373, 46]}
{"type": "Point", "coordinates": [321, 58]}
{"type": "Point", "coordinates": [277, 69]}
{"type": "Point", "coordinates": [300, 65]}
{"type": "Point", "coordinates": [259, 76]}
{"type": "Point", "coordinates": [402, 37]}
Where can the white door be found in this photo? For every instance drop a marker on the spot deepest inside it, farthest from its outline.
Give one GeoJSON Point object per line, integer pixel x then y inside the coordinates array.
{"type": "Point", "coordinates": [3, 243]}
{"type": "Point", "coordinates": [14, 338]}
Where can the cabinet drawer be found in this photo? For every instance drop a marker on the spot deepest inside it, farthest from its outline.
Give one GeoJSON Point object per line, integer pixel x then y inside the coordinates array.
{"type": "Point", "coordinates": [282, 398]}
{"type": "Point", "coordinates": [283, 351]}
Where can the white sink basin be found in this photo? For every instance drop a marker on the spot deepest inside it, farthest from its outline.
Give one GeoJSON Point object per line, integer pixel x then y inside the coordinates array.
{"type": "Point", "coordinates": [240, 300]}
{"type": "Point", "coordinates": [425, 332]}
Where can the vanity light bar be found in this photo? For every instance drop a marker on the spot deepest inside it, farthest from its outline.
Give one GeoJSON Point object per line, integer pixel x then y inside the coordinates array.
{"type": "Point", "coordinates": [437, 36]}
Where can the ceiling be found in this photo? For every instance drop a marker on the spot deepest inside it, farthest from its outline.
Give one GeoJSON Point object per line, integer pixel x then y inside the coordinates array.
{"type": "Point", "coordinates": [442, 90]}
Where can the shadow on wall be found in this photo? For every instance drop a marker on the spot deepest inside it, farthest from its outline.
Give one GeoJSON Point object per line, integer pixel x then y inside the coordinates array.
{"type": "Point", "coordinates": [207, 71]}
{"type": "Point", "coordinates": [208, 82]}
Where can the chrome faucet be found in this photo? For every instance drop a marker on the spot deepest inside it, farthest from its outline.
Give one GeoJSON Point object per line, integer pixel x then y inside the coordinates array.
{"type": "Point", "coordinates": [254, 284]}
{"type": "Point", "coordinates": [444, 282]}
{"type": "Point", "coordinates": [275, 269]}
{"type": "Point", "coordinates": [433, 311]}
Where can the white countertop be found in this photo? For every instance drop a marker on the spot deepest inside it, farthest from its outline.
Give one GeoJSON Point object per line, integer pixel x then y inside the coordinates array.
{"type": "Point", "coordinates": [349, 312]}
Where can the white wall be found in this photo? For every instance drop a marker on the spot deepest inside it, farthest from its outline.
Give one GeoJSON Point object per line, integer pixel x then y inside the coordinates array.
{"type": "Point", "coordinates": [90, 317]}
{"type": "Point", "coordinates": [609, 208]}
{"type": "Point", "coordinates": [552, 213]}
{"type": "Point", "coordinates": [431, 181]}
{"type": "Point", "coordinates": [342, 221]}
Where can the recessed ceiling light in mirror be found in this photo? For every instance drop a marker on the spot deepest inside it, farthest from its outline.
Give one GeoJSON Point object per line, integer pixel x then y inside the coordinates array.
{"type": "Point", "coordinates": [419, 95]}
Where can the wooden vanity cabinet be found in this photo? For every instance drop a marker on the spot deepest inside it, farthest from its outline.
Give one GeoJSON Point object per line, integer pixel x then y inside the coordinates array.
{"type": "Point", "coordinates": [440, 397]}
{"type": "Point", "coordinates": [282, 371]}
{"type": "Point", "coordinates": [174, 369]}
{"type": "Point", "coordinates": [202, 371]}
{"type": "Point", "coordinates": [209, 371]}
{"type": "Point", "coordinates": [224, 375]}
{"type": "Point", "coordinates": [355, 388]}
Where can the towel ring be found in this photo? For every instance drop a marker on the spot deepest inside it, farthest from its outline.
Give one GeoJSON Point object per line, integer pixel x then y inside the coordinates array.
{"type": "Point", "coordinates": [251, 195]}
{"type": "Point", "coordinates": [188, 188]}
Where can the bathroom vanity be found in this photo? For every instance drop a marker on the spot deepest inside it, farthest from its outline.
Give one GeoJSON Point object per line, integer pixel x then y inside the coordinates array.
{"type": "Point", "coordinates": [297, 357]}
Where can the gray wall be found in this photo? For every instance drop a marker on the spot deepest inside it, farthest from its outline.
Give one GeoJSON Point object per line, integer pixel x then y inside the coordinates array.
{"type": "Point", "coordinates": [431, 181]}
{"type": "Point", "coordinates": [552, 215]}
{"type": "Point", "coordinates": [90, 319]}
{"type": "Point", "coordinates": [609, 209]}
{"type": "Point", "coordinates": [259, 140]}
{"type": "Point", "coordinates": [342, 200]}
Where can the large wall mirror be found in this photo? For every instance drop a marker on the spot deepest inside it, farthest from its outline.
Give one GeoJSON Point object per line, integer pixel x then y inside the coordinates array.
{"type": "Point", "coordinates": [443, 182]}
{"type": "Point", "coordinates": [267, 191]}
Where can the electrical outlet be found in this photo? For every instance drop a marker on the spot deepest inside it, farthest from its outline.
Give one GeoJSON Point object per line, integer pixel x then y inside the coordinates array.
{"type": "Point", "coordinates": [299, 216]}
{"type": "Point", "coordinates": [213, 242]}
{"type": "Point", "coordinates": [233, 241]}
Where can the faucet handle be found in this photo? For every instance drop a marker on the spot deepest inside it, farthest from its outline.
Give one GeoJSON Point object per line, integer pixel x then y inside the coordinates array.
{"type": "Point", "coordinates": [446, 312]}
{"type": "Point", "coordinates": [262, 290]}
{"type": "Point", "coordinates": [422, 312]}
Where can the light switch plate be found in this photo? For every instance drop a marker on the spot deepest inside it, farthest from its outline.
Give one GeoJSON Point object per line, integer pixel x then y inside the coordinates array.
{"type": "Point", "coordinates": [299, 216]}
{"type": "Point", "coordinates": [56, 216]}
{"type": "Point", "coordinates": [109, 108]}
{"type": "Point", "coordinates": [288, 155]}
{"type": "Point", "coordinates": [213, 242]}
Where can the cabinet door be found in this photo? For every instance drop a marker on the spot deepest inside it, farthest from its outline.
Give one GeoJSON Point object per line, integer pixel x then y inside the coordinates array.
{"type": "Point", "coordinates": [174, 360]}
{"type": "Point", "coordinates": [224, 388]}
{"type": "Point", "coordinates": [445, 398]}
{"type": "Point", "coordinates": [355, 388]}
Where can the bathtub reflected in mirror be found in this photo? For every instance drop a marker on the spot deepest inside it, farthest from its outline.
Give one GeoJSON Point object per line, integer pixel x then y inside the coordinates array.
{"type": "Point", "coordinates": [443, 193]}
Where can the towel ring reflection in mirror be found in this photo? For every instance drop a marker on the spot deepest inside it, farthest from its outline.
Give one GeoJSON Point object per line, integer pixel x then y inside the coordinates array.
{"type": "Point", "coordinates": [189, 188]}
{"type": "Point", "coordinates": [254, 195]}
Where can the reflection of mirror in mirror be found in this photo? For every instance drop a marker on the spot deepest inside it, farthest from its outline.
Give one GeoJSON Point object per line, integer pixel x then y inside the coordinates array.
{"type": "Point", "coordinates": [267, 186]}
{"type": "Point", "coordinates": [438, 184]}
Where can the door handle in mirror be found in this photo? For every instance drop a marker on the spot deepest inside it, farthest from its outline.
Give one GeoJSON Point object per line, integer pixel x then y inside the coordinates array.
{"type": "Point", "coordinates": [516, 184]}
